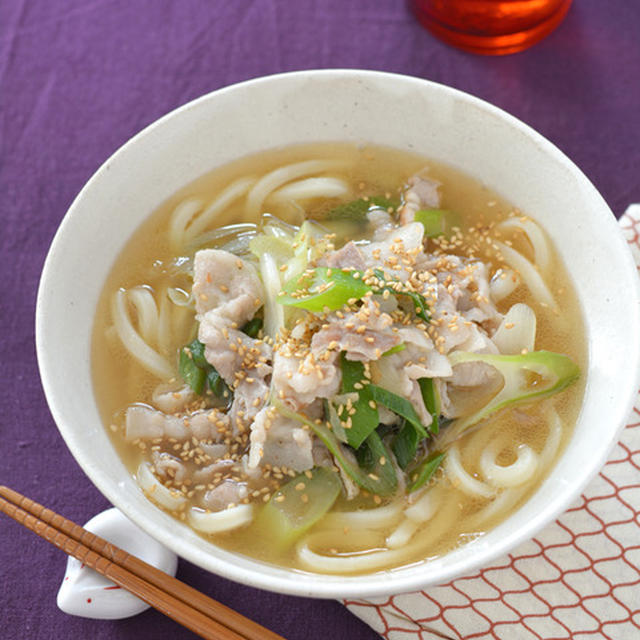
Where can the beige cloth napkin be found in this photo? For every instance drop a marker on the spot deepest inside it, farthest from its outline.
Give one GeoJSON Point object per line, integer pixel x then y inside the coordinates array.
{"type": "Point", "coordinates": [579, 578]}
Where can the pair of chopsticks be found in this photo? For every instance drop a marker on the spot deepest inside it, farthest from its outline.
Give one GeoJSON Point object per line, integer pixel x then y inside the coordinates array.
{"type": "Point", "coordinates": [184, 604]}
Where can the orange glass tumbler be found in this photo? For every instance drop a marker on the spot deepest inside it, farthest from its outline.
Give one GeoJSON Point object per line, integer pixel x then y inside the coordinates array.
{"type": "Point", "coordinates": [491, 27]}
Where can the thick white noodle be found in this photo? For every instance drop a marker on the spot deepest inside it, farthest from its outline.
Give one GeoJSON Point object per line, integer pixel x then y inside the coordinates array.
{"type": "Point", "coordinates": [168, 498]}
{"type": "Point", "coordinates": [273, 312]}
{"type": "Point", "coordinates": [180, 298]}
{"type": "Point", "coordinates": [146, 313]}
{"type": "Point", "coordinates": [215, 522]}
{"type": "Point", "coordinates": [164, 322]}
{"type": "Point", "coordinates": [402, 534]}
{"type": "Point", "coordinates": [517, 331]}
{"type": "Point", "coordinates": [359, 561]}
{"type": "Point", "coordinates": [278, 177]}
{"type": "Point", "coordinates": [461, 479]}
{"type": "Point", "coordinates": [551, 446]}
{"type": "Point", "coordinates": [426, 506]}
{"type": "Point", "coordinates": [528, 273]}
{"type": "Point", "coordinates": [365, 518]}
{"type": "Point", "coordinates": [150, 359]}
{"type": "Point", "coordinates": [225, 199]}
{"type": "Point", "coordinates": [308, 188]}
{"type": "Point", "coordinates": [512, 475]}
{"type": "Point", "coordinates": [502, 284]}
{"type": "Point", "coordinates": [536, 236]}
{"type": "Point", "coordinates": [180, 218]}
{"type": "Point", "coordinates": [507, 498]}
{"type": "Point", "coordinates": [500, 505]}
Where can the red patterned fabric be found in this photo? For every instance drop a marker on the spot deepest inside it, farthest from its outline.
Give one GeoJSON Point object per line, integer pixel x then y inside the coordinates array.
{"type": "Point", "coordinates": [579, 578]}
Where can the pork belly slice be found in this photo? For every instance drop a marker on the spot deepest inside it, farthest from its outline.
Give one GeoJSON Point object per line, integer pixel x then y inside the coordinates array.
{"type": "Point", "coordinates": [145, 423]}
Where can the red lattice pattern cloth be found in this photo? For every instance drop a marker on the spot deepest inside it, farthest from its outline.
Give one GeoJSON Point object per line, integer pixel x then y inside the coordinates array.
{"type": "Point", "coordinates": [579, 578]}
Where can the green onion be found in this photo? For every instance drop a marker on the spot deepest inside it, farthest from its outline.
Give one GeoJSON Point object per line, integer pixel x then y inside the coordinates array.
{"type": "Point", "coordinates": [217, 385]}
{"type": "Point", "coordinates": [375, 459]}
{"type": "Point", "coordinates": [322, 288]}
{"type": "Point", "coordinates": [297, 506]}
{"type": "Point", "coordinates": [421, 307]}
{"type": "Point", "coordinates": [555, 371]}
{"type": "Point", "coordinates": [398, 405]}
{"type": "Point", "coordinates": [336, 426]}
{"type": "Point", "coordinates": [424, 471]}
{"type": "Point", "coordinates": [195, 371]}
{"type": "Point", "coordinates": [196, 349]}
{"type": "Point", "coordinates": [437, 222]}
{"type": "Point", "coordinates": [399, 347]}
{"type": "Point", "coordinates": [191, 373]}
{"type": "Point", "coordinates": [252, 328]}
{"type": "Point", "coordinates": [357, 210]}
{"type": "Point", "coordinates": [365, 418]}
{"type": "Point", "coordinates": [405, 444]}
{"type": "Point", "coordinates": [431, 402]}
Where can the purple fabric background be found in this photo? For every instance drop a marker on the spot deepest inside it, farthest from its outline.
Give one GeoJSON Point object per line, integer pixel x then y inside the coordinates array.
{"type": "Point", "coordinates": [79, 77]}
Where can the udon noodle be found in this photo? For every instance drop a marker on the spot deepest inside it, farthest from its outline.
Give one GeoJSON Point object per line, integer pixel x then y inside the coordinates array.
{"type": "Point", "coordinates": [339, 359]}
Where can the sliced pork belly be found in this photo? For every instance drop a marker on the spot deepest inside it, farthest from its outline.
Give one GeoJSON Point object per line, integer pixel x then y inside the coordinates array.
{"type": "Point", "coordinates": [349, 257]}
{"type": "Point", "coordinates": [169, 467]}
{"type": "Point", "coordinates": [382, 223]}
{"type": "Point", "coordinates": [388, 254]}
{"type": "Point", "coordinates": [172, 398]}
{"type": "Point", "coordinates": [228, 292]}
{"type": "Point", "coordinates": [280, 442]}
{"type": "Point", "coordinates": [227, 284]}
{"type": "Point", "coordinates": [144, 423]}
{"type": "Point", "coordinates": [206, 474]}
{"type": "Point", "coordinates": [299, 381]}
{"type": "Point", "coordinates": [365, 334]}
{"type": "Point", "coordinates": [248, 399]}
{"type": "Point", "coordinates": [226, 493]}
{"type": "Point", "coordinates": [422, 194]}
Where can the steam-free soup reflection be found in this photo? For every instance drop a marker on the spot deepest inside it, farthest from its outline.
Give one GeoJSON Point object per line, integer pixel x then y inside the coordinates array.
{"type": "Point", "coordinates": [339, 359]}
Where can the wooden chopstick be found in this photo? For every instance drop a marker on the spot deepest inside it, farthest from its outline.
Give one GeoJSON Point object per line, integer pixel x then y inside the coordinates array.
{"type": "Point", "coordinates": [184, 604]}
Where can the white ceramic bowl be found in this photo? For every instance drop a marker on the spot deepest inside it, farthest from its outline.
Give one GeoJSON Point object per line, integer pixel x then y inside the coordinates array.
{"type": "Point", "coordinates": [357, 106]}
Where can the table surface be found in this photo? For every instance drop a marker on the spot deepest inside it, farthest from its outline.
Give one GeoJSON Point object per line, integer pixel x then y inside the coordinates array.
{"type": "Point", "coordinates": [79, 77]}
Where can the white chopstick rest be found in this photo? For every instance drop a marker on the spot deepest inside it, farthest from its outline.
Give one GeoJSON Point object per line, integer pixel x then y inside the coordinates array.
{"type": "Point", "coordinates": [85, 593]}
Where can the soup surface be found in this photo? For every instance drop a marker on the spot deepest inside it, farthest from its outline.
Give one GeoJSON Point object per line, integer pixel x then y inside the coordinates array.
{"type": "Point", "coordinates": [339, 359]}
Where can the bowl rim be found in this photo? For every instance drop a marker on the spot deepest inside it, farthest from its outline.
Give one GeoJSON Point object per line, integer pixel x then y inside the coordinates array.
{"type": "Point", "coordinates": [289, 581]}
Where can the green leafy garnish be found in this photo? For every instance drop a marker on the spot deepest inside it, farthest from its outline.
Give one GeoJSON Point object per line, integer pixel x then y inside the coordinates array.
{"type": "Point", "coordinates": [420, 476]}
{"type": "Point", "coordinates": [374, 458]}
{"type": "Point", "coordinates": [398, 405]}
{"type": "Point", "coordinates": [431, 402]}
{"type": "Point", "coordinates": [364, 417]}
{"type": "Point", "coordinates": [298, 505]}
{"type": "Point", "coordinates": [405, 444]}
{"type": "Point", "coordinates": [191, 373]}
{"type": "Point", "coordinates": [217, 385]}
{"type": "Point", "coordinates": [196, 351]}
{"type": "Point", "coordinates": [195, 371]}
{"type": "Point", "coordinates": [380, 479]}
{"type": "Point", "coordinates": [252, 328]}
